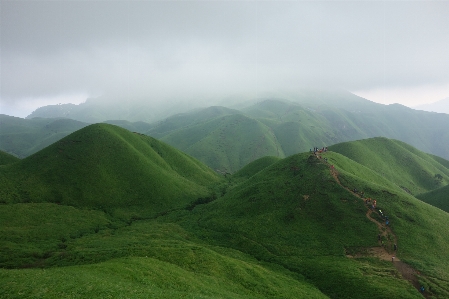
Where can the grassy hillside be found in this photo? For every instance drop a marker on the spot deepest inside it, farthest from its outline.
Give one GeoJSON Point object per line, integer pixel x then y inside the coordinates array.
{"type": "Point", "coordinates": [438, 198]}
{"type": "Point", "coordinates": [412, 170]}
{"type": "Point", "coordinates": [255, 166]}
{"type": "Point", "coordinates": [226, 143]}
{"type": "Point", "coordinates": [106, 167]}
{"type": "Point", "coordinates": [23, 137]}
{"type": "Point", "coordinates": [109, 213]}
{"type": "Point", "coordinates": [6, 158]}
{"type": "Point", "coordinates": [417, 225]}
{"type": "Point", "coordinates": [293, 213]}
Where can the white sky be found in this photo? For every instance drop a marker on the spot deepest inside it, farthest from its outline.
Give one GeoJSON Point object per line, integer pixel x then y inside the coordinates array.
{"type": "Point", "coordinates": [65, 51]}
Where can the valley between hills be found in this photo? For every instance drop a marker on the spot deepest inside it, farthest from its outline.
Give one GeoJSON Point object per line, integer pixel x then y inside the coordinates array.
{"type": "Point", "coordinates": [221, 203]}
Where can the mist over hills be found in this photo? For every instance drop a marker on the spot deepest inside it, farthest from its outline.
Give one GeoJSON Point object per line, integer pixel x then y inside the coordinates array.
{"type": "Point", "coordinates": [102, 109]}
{"type": "Point", "coordinates": [23, 137]}
{"type": "Point", "coordinates": [227, 139]}
{"type": "Point", "coordinates": [277, 125]}
{"type": "Point", "coordinates": [104, 199]}
{"type": "Point", "coordinates": [287, 127]}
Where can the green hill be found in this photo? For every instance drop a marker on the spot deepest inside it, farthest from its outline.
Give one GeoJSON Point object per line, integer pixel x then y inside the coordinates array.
{"type": "Point", "coordinates": [415, 223]}
{"type": "Point", "coordinates": [226, 143]}
{"type": "Point", "coordinates": [104, 166]}
{"type": "Point", "coordinates": [137, 218]}
{"type": "Point", "coordinates": [412, 170]}
{"type": "Point", "coordinates": [23, 137]}
{"type": "Point", "coordinates": [438, 198]}
{"type": "Point", "coordinates": [256, 166]}
{"type": "Point", "coordinates": [293, 213]}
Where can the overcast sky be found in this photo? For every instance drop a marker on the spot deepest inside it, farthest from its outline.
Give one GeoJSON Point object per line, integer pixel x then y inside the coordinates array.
{"type": "Point", "coordinates": [66, 51]}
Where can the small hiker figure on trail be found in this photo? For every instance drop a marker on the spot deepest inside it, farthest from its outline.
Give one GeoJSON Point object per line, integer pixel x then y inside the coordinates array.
{"type": "Point", "coordinates": [392, 259]}
{"type": "Point", "coordinates": [395, 247]}
{"type": "Point", "coordinates": [378, 237]}
{"type": "Point", "coordinates": [422, 289]}
{"type": "Point", "coordinates": [387, 222]}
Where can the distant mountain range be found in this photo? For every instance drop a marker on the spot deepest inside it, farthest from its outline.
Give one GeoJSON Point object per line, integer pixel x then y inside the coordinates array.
{"type": "Point", "coordinates": [109, 212]}
{"type": "Point", "coordinates": [441, 106]}
{"type": "Point", "coordinates": [227, 139]}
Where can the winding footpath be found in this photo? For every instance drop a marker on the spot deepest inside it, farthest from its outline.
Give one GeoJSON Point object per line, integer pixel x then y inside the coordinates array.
{"type": "Point", "coordinates": [384, 251]}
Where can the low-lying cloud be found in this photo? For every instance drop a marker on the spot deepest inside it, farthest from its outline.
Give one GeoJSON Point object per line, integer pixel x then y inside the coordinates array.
{"type": "Point", "coordinates": [160, 50]}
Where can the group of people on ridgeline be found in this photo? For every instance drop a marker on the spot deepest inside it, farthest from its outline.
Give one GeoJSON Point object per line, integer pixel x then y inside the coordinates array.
{"type": "Point", "coordinates": [319, 150]}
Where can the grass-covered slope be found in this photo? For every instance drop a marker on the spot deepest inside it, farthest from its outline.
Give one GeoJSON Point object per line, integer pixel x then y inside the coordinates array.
{"type": "Point", "coordinates": [97, 257]}
{"type": "Point", "coordinates": [283, 230]}
{"type": "Point", "coordinates": [159, 261]}
{"type": "Point", "coordinates": [107, 167]}
{"type": "Point", "coordinates": [226, 143]}
{"type": "Point", "coordinates": [6, 158]}
{"type": "Point", "coordinates": [438, 198]}
{"type": "Point", "coordinates": [294, 213]}
{"type": "Point", "coordinates": [413, 170]}
{"type": "Point", "coordinates": [419, 227]}
{"type": "Point", "coordinates": [255, 166]}
{"type": "Point", "coordinates": [23, 137]}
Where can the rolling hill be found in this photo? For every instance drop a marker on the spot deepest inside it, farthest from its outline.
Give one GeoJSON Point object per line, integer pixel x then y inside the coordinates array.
{"type": "Point", "coordinates": [110, 213]}
{"type": "Point", "coordinates": [295, 214]}
{"type": "Point", "coordinates": [107, 167]}
{"type": "Point", "coordinates": [226, 143]}
{"type": "Point", "coordinates": [412, 170]}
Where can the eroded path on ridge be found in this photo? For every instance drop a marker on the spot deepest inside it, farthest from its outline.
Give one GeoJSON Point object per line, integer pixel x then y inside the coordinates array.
{"type": "Point", "coordinates": [382, 251]}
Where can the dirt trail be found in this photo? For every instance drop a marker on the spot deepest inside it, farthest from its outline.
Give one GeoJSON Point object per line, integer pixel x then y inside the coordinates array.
{"type": "Point", "coordinates": [384, 251]}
